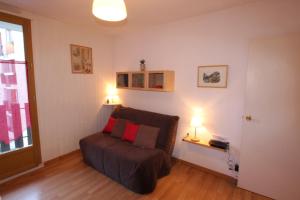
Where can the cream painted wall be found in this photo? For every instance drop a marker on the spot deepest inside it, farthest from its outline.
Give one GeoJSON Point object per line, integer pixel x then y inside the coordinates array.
{"type": "Point", "coordinates": [217, 38]}
{"type": "Point", "coordinates": [68, 104]}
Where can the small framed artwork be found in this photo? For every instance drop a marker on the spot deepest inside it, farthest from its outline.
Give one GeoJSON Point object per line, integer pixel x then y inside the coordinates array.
{"type": "Point", "coordinates": [214, 76]}
{"type": "Point", "coordinates": [81, 59]}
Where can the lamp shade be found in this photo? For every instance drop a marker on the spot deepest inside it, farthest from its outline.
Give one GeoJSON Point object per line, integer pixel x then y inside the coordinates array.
{"type": "Point", "coordinates": [111, 90]}
{"type": "Point", "coordinates": [112, 95]}
{"type": "Point", "coordinates": [196, 122]}
{"type": "Point", "coordinates": [110, 10]}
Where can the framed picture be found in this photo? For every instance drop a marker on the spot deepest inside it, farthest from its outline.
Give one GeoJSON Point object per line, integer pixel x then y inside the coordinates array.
{"type": "Point", "coordinates": [81, 59]}
{"type": "Point", "coordinates": [214, 76]}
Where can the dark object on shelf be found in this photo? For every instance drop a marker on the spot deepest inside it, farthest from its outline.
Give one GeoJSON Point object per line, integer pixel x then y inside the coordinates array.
{"type": "Point", "coordinates": [236, 167]}
{"type": "Point", "coordinates": [219, 144]}
{"type": "Point", "coordinates": [143, 65]}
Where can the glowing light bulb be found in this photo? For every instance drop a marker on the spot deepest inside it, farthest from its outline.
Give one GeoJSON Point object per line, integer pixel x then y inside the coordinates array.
{"type": "Point", "coordinates": [110, 10]}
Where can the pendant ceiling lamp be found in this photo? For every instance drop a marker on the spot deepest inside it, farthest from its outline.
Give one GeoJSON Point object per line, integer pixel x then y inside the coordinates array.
{"type": "Point", "coordinates": [110, 10]}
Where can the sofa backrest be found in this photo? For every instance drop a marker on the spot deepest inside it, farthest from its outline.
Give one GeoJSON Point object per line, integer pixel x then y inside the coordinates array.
{"type": "Point", "coordinates": [166, 123]}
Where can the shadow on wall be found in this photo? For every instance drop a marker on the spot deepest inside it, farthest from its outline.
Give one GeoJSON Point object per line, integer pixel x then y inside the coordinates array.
{"type": "Point", "coordinates": [103, 116]}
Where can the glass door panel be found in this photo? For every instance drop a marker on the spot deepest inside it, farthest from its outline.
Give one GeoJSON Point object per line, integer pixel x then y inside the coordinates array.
{"type": "Point", "coordinates": [15, 125]}
{"type": "Point", "coordinates": [138, 80]}
{"type": "Point", "coordinates": [156, 80]}
{"type": "Point", "coordinates": [122, 80]}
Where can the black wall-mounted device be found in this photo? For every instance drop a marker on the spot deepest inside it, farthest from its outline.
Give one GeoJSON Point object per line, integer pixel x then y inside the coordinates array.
{"type": "Point", "coordinates": [219, 144]}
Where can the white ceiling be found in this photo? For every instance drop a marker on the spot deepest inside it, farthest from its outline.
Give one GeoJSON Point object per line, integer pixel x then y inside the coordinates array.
{"type": "Point", "coordinates": [141, 13]}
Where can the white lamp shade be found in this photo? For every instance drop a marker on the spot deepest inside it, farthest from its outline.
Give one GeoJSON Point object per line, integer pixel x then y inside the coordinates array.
{"type": "Point", "coordinates": [110, 10]}
{"type": "Point", "coordinates": [111, 90]}
{"type": "Point", "coordinates": [196, 122]}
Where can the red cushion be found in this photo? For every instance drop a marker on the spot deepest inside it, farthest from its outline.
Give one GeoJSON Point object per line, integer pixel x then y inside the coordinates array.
{"type": "Point", "coordinates": [130, 132]}
{"type": "Point", "coordinates": [109, 126]}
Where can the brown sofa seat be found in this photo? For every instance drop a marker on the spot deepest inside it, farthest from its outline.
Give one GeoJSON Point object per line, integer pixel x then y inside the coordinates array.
{"type": "Point", "coordinates": [92, 148]}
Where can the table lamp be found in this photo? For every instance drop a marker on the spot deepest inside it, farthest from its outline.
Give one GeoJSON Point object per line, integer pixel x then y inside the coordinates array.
{"type": "Point", "coordinates": [112, 96]}
{"type": "Point", "coordinates": [196, 123]}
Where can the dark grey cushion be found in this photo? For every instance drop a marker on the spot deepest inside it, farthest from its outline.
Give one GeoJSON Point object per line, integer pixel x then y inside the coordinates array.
{"type": "Point", "coordinates": [146, 136]}
{"type": "Point", "coordinates": [118, 128]}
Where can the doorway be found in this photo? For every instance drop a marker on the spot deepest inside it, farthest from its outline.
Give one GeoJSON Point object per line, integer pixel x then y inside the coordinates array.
{"type": "Point", "coordinates": [19, 135]}
{"type": "Point", "coordinates": [270, 159]}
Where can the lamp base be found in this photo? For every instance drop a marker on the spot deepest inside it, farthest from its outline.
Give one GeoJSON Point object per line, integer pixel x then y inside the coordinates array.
{"type": "Point", "coordinates": [195, 139]}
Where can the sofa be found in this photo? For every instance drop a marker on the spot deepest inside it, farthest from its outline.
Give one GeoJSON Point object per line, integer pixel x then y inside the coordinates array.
{"type": "Point", "coordinates": [136, 168]}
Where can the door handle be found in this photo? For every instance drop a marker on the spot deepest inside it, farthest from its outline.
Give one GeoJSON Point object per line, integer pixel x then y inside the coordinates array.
{"type": "Point", "coordinates": [248, 118]}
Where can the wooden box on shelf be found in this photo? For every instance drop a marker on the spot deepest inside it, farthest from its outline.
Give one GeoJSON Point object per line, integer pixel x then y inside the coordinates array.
{"type": "Point", "coordinates": [123, 79]}
{"type": "Point", "coordinates": [161, 81]}
{"type": "Point", "coordinates": [138, 80]}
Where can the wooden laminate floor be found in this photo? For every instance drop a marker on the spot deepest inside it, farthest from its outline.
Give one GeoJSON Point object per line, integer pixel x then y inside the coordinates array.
{"type": "Point", "coordinates": [71, 179]}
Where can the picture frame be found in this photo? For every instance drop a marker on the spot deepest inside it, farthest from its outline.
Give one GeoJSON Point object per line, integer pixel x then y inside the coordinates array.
{"type": "Point", "coordinates": [213, 76]}
{"type": "Point", "coordinates": [81, 59]}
